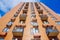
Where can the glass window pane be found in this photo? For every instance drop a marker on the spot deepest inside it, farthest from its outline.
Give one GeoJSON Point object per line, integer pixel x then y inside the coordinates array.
{"type": "Point", "coordinates": [58, 22]}
{"type": "Point", "coordinates": [34, 30]}
{"type": "Point", "coordinates": [34, 23]}
{"type": "Point", "coordinates": [6, 29]}
{"type": "Point", "coordinates": [53, 18]}
{"type": "Point", "coordinates": [45, 22]}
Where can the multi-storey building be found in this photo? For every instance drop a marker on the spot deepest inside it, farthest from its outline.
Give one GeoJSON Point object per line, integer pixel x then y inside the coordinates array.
{"type": "Point", "coordinates": [30, 21]}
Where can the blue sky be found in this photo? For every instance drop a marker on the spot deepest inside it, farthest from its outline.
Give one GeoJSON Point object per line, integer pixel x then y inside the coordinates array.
{"type": "Point", "coordinates": [6, 5]}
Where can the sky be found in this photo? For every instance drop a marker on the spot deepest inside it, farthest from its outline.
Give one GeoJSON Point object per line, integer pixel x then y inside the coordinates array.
{"type": "Point", "coordinates": [7, 5]}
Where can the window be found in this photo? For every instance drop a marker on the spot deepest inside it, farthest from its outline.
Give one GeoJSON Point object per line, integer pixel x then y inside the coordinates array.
{"type": "Point", "coordinates": [50, 31]}
{"type": "Point", "coordinates": [1, 38]}
{"type": "Point", "coordinates": [22, 21]}
{"type": "Point", "coordinates": [10, 23]}
{"type": "Point", "coordinates": [45, 22]}
{"type": "Point", "coordinates": [33, 15]}
{"type": "Point", "coordinates": [34, 30]}
{"type": "Point", "coordinates": [58, 22]}
{"type": "Point", "coordinates": [53, 39]}
{"type": "Point", "coordinates": [53, 18]}
{"type": "Point", "coordinates": [18, 29]}
{"type": "Point", "coordinates": [6, 29]}
{"type": "Point", "coordinates": [15, 38]}
{"type": "Point", "coordinates": [34, 23]}
{"type": "Point", "coordinates": [49, 14]}
{"type": "Point", "coordinates": [15, 15]}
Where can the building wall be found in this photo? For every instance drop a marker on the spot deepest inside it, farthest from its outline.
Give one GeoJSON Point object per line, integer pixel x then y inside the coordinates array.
{"type": "Point", "coordinates": [27, 30]}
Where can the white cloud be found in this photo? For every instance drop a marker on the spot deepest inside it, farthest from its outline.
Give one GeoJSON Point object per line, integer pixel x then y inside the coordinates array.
{"type": "Point", "coordinates": [8, 4]}
{"type": "Point", "coordinates": [5, 5]}
{"type": "Point", "coordinates": [59, 14]}
{"type": "Point", "coordinates": [30, 0]}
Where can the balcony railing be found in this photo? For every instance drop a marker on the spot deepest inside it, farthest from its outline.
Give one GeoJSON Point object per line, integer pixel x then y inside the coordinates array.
{"type": "Point", "coordinates": [26, 7]}
{"type": "Point", "coordinates": [38, 7]}
{"type": "Point", "coordinates": [15, 15]}
{"type": "Point", "coordinates": [25, 11]}
{"type": "Point", "coordinates": [13, 19]}
{"type": "Point", "coordinates": [23, 17]}
{"type": "Point", "coordinates": [44, 17]}
{"type": "Point", "coordinates": [34, 22]}
{"type": "Point", "coordinates": [3, 34]}
{"type": "Point", "coordinates": [33, 15]}
{"type": "Point", "coordinates": [18, 30]}
{"type": "Point", "coordinates": [36, 37]}
{"type": "Point", "coordinates": [51, 31]}
{"type": "Point", "coordinates": [40, 11]}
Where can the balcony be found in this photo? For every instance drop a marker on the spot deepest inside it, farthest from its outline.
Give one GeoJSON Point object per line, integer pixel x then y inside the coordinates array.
{"type": "Point", "coordinates": [38, 7]}
{"type": "Point", "coordinates": [36, 37]}
{"type": "Point", "coordinates": [44, 17]}
{"type": "Point", "coordinates": [17, 38]}
{"type": "Point", "coordinates": [22, 21]}
{"type": "Point", "coordinates": [27, 4]}
{"type": "Point", "coordinates": [3, 34]}
{"type": "Point", "coordinates": [23, 17]}
{"type": "Point", "coordinates": [45, 22]}
{"type": "Point", "coordinates": [40, 11]}
{"type": "Point", "coordinates": [9, 24]}
{"type": "Point", "coordinates": [34, 22]}
{"type": "Point", "coordinates": [33, 15]}
{"type": "Point", "coordinates": [18, 30]}
{"type": "Point", "coordinates": [26, 7]}
{"type": "Point", "coordinates": [15, 15]}
{"type": "Point", "coordinates": [34, 31]}
{"type": "Point", "coordinates": [13, 19]}
{"type": "Point", "coordinates": [51, 31]}
{"type": "Point", "coordinates": [36, 4]}
{"type": "Point", "coordinates": [25, 11]}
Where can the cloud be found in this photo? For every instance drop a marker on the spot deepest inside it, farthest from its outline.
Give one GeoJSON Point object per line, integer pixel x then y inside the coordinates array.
{"type": "Point", "coordinates": [58, 14]}
{"type": "Point", "coordinates": [30, 0]}
{"type": "Point", "coordinates": [6, 5]}
{"type": "Point", "coordinates": [0, 15]}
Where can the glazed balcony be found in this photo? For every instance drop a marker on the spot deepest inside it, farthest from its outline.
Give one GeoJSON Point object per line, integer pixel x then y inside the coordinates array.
{"type": "Point", "coordinates": [23, 17]}
{"type": "Point", "coordinates": [51, 31]}
{"type": "Point", "coordinates": [44, 17]}
{"type": "Point", "coordinates": [18, 30]}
